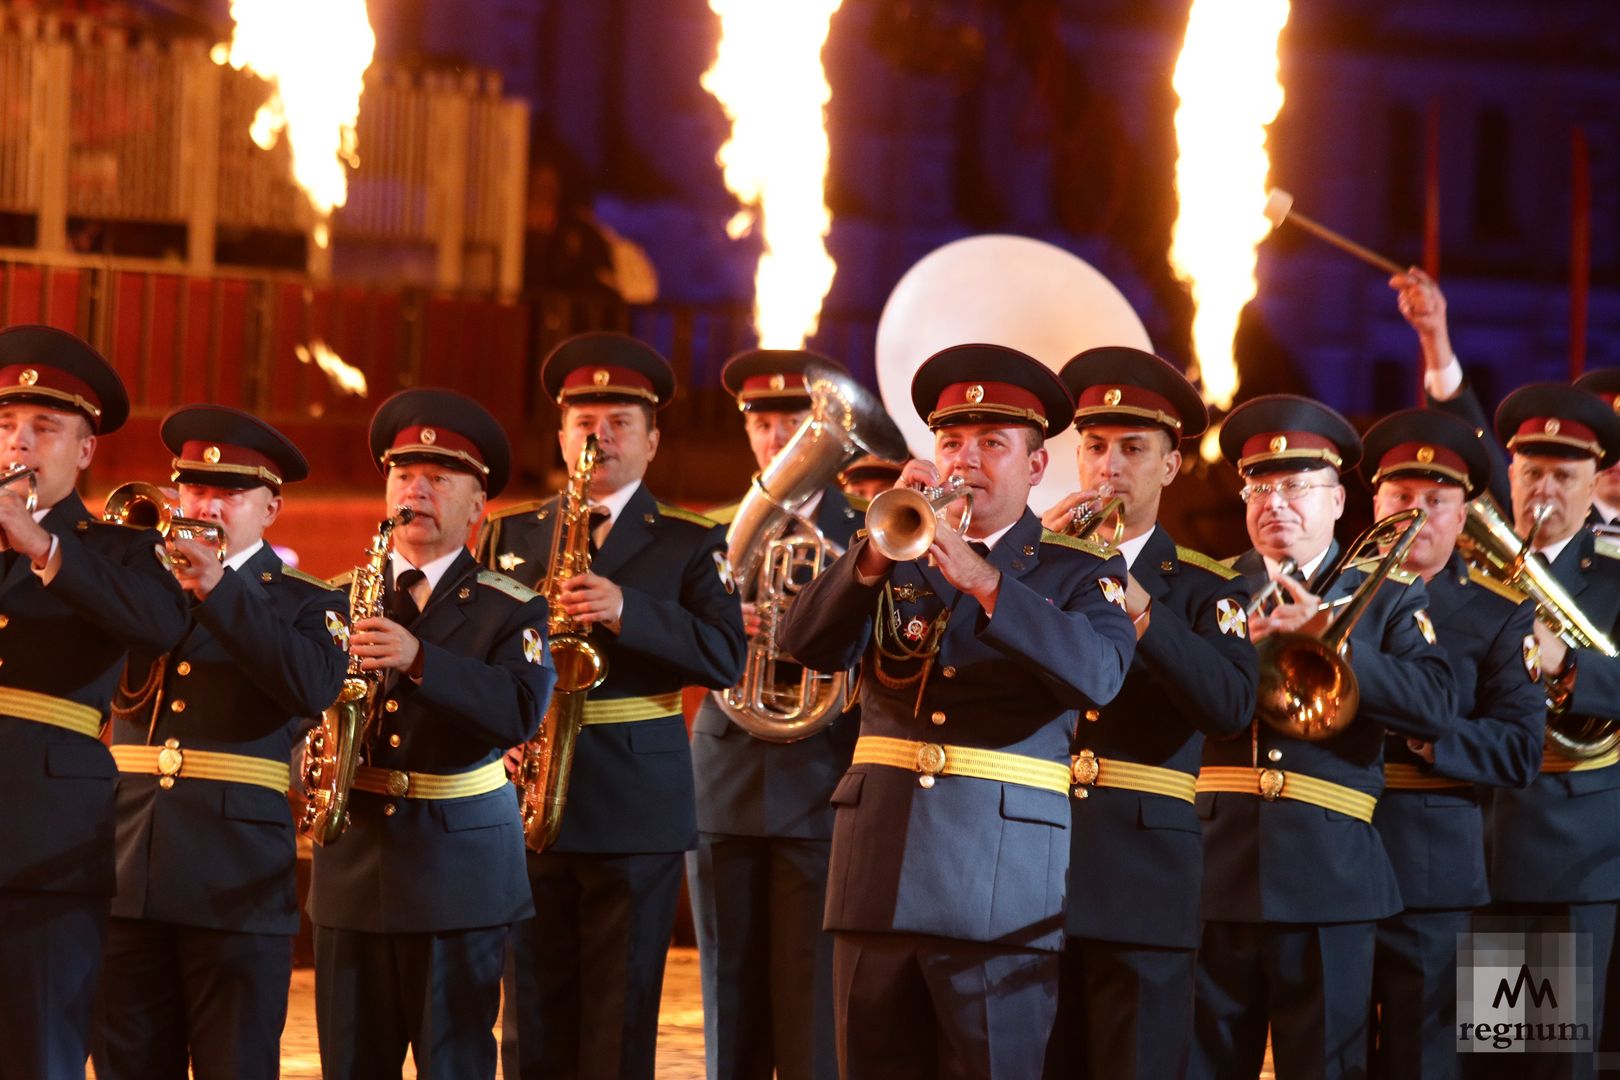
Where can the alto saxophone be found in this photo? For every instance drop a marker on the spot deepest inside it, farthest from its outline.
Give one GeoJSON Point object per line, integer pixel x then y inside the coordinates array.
{"type": "Point", "coordinates": [332, 748]}
{"type": "Point", "coordinates": [548, 758]}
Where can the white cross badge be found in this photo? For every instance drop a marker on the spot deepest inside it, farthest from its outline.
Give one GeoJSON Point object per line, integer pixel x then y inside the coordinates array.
{"type": "Point", "coordinates": [534, 648]}
{"type": "Point", "coordinates": [1112, 591]}
{"type": "Point", "coordinates": [1231, 618]}
{"type": "Point", "coordinates": [338, 628]}
{"type": "Point", "coordinates": [1532, 657]}
{"type": "Point", "coordinates": [509, 560]}
{"type": "Point", "coordinates": [1424, 625]}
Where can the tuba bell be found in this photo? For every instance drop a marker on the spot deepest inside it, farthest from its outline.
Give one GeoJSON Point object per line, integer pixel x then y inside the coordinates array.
{"type": "Point", "coordinates": [902, 521]}
{"type": "Point", "coordinates": [147, 506]}
{"type": "Point", "coordinates": [1307, 688]}
{"type": "Point", "coordinates": [771, 560]}
{"type": "Point", "coordinates": [1491, 546]}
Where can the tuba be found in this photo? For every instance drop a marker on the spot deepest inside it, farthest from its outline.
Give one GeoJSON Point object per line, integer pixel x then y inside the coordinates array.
{"type": "Point", "coordinates": [1307, 688]}
{"type": "Point", "coordinates": [548, 758]}
{"type": "Point", "coordinates": [147, 506]}
{"type": "Point", "coordinates": [902, 521]}
{"type": "Point", "coordinates": [332, 748]}
{"type": "Point", "coordinates": [17, 473]}
{"type": "Point", "coordinates": [1490, 545]}
{"type": "Point", "coordinates": [775, 702]}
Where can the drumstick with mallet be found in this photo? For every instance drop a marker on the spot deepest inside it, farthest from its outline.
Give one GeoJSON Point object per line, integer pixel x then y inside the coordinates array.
{"type": "Point", "coordinates": [1280, 208]}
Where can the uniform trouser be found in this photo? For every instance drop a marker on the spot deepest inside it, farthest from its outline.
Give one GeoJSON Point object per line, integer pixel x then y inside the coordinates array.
{"type": "Point", "coordinates": [586, 973]}
{"type": "Point", "coordinates": [766, 961]}
{"type": "Point", "coordinates": [438, 993]}
{"type": "Point", "coordinates": [177, 1001]}
{"type": "Point", "coordinates": [50, 957]}
{"type": "Point", "coordinates": [1594, 919]}
{"type": "Point", "coordinates": [1415, 991]}
{"type": "Point", "coordinates": [1311, 984]}
{"type": "Point", "coordinates": [1123, 1011]}
{"type": "Point", "coordinates": [913, 1005]}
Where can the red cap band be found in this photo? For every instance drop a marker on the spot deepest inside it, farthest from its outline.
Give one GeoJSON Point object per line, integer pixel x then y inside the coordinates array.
{"type": "Point", "coordinates": [606, 380]}
{"type": "Point", "coordinates": [1133, 401]}
{"type": "Point", "coordinates": [1308, 448]}
{"type": "Point", "coordinates": [1419, 457]}
{"type": "Point", "coordinates": [427, 441]}
{"type": "Point", "coordinates": [1557, 430]}
{"type": "Point", "coordinates": [206, 457]}
{"type": "Point", "coordinates": [41, 381]}
{"type": "Point", "coordinates": [1004, 399]}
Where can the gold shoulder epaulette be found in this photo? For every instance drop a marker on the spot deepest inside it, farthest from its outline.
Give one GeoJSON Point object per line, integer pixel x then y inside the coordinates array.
{"type": "Point", "coordinates": [308, 579]}
{"type": "Point", "coordinates": [342, 581]}
{"type": "Point", "coordinates": [857, 503]}
{"type": "Point", "coordinates": [720, 515]}
{"type": "Point", "coordinates": [1398, 576]}
{"type": "Point", "coordinates": [1230, 562]}
{"type": "Point", "coordinates": [665, 510]}
{"type": "Point", "coordinates": [1500, 588]}
{"type": "Point", "coordinates": [1204, 562]}
{"type": "Point", "coordinates": [521, 508]}
{"type": "Point", "coordinates": [1609, 549]}
{"type": "Point", "coordinates": [502, 583]}
{"type": "Point", "coordinates": [1090, 547]}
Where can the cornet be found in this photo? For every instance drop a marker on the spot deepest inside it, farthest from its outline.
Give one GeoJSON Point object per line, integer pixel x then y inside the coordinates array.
{"type": "Point", "coordinates": [17, 473]}
{"type": "Point", "coordinates": [902, 521]}
{"type": "Point", "coordinates": [1088, 517]}
{"type": "Point", "coordinates": [147, 506]}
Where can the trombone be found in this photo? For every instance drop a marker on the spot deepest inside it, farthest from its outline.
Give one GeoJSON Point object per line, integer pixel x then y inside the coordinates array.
{"type": "Point", "coordinates": [147, 506]}
{"type": "Point", "coordinates": [1307, 688]}
{"type": "Point", "coordinates": [17, 473]}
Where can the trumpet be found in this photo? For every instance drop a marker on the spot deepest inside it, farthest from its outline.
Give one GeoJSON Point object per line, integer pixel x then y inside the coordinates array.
{"type": "Point", "coordinates": [1088, 517]}
{"type": "Point", "coordinates": [17, 473]}
{"type": "Point", "coordinates": [902, 521]}
{"type": "Point", "coordinates": [1307, 688]}
{"type": "Point", "coordinates": [147, 506]}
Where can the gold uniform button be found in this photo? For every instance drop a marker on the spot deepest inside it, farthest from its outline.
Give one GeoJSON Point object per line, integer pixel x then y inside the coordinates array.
{"type": "Point", "coordinates": [183, 668]}
{"type": "Point", "coordinates": [392, 705]}
{"type": "Point", "coordinates": [938, 717]}
{"type": "Point", "coordinates": [949, 672]}
{"type": "Point", "coordinates": [5, 621]}
{"type": "Point", "coordinates": [1273, 754]}
{"type": "Point", "coordinates": [1093, 715]}
{"type": "Point", "coordinates": [388, 810]}
{"type": "Point", "coordinates": [393, 740]}
{"type": "Point", "coordinates": [177, 706]}
{"type": "Point", "coordinates": [1083, 793]}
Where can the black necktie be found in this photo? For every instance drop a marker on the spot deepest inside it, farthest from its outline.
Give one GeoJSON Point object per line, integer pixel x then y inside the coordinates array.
{"type": "Point", "coordinates": [8, 560]}
{"type": "Point", "coordinates": [599, 514]}
{"type": "Point", "coordinates": [405, 609]}
{"type": "Point", "coordinates": [981, 548]}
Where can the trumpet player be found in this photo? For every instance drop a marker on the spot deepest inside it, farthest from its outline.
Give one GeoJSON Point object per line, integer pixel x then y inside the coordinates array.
{"type": "Point", "coordinates": [583, 989]}
{"type": "Point", "coordinates": [75, 596]}
{"type": "Point", "coordinates": [950, 842]}
{"type": "Point", "coordinates": [1553, 851]}
{"type": "Point", "coordinates": [1125, 999]}
{"type": "Point", "coordinates": [1295, 876]}
{"type": "Point", "coordinates": [412, 904]}
{"type": "Point", "coordinates": [1429, 816]}
{"type": "Point", "coordinates": [199, 951]}
{"type": "Point", "coordinates": [864, 477]}
{"type": "Point", "coordinates": [758, 878]}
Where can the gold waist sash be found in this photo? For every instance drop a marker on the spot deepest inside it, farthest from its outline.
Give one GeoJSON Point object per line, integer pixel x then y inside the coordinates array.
{"type": "Point", "coordinates": [930, 760]}
{"type": "Point", "coordinates": [1273, 784]}
{"type": "Point", "coordinates": [55, 711]}
{"type": "Point", "coordinates": [174, 762]}
{"type": "Point", "coordinates": [417, 785]}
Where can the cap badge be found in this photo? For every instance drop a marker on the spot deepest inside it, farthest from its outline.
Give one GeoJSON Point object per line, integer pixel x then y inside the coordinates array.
{"type": "Point", "coordinates": [778, 383]}
{"type": "Point", "coordinates": [1425, 454]}
{"type": "Point", "coordinates": [1112, 397]}
{"type": "Point", "coordinates": [211, 455]}
{"type": "Point", "coordinates": [429, 436]}
{"type": "Point", "coordinates": [975, 394]}
{"type": "Point", "coordinates": [1550, 427]}
{"type": "Point", "coordinates": [1279, 444]}
{"type": "Point", "coordinates": [600, 376]}
{"type": "Point", "coordinates": [28, 378]}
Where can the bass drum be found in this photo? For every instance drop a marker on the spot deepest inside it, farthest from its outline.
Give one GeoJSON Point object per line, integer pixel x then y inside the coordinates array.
{"type": "Point", "coordinates": [1000, 290]}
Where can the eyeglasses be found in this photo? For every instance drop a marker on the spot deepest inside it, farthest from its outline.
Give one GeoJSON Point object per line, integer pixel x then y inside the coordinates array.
{"type": "Point", "coordinates": [1292, 489]}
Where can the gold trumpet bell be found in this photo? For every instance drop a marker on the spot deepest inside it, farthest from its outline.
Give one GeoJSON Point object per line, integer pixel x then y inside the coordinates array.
{"type": "Point", "coordinates": [1309, 689]}
{"type": "Point", "coordinates": [141, 505]}
{"type": "Point", "coordinates": [902, 521]}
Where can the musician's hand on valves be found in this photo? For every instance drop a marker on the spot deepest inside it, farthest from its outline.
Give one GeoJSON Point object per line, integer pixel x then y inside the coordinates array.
{"type": "Point", "coordinates": [965, 568]}
{"type": "Point", "coordinates": [514, 760]}
{"type": "Point", "coordinates": [1062, 515]}
{"type": "Point", "coordinates": [19, 531]}
{"type": "Point", "coordinates": [1299, 612]}
{"type": "Point", "coordinates": [1422, 749]}
{"type": "Point", "coordinates": [591, 598]}
{"type": "Point", "coordinates": [383, 644]}
{"type": "Point", "coordinates": [916, 474]}
{"type": "Point", "coordinates": [751, 620]}
{"type": "Point", "coordinates": [1554, 653]}
{"type": "Point", "coordinates": [203, 574]}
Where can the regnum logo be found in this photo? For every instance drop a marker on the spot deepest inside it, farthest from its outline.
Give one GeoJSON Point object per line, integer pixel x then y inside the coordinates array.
{"type": "Point", "coordinates": [1524, 993]}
